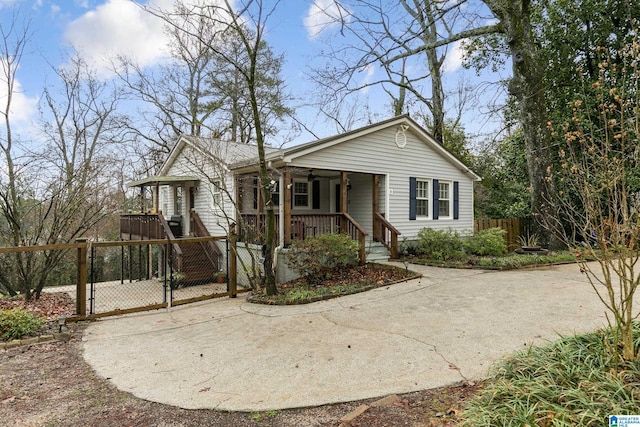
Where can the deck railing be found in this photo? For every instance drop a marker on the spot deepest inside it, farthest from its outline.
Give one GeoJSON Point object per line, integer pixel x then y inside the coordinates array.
{"type": "Point", "coordinates": [147, 227]}
{"type": "Point", "coordinates": [253, 226]}
{"type": "Point", "coordinates": [386, 234]}
{"type": "Point", "coordinates": [143, 226]}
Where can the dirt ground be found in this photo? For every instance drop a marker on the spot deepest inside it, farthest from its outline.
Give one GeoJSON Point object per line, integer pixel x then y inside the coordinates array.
{"type": "Point", "coordinates": [49, 384]}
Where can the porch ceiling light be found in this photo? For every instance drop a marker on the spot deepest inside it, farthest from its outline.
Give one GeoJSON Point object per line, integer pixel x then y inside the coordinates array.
{"type": "Point", "coordinates": [311, 177]}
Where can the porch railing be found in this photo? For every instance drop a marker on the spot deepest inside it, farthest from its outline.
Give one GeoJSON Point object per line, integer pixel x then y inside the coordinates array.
{"type": "Point", "coordinates": [147, 227]}
{"type": "Point", "coordinates": [144, 226]}
{"type": "Point", "coordinates": [386, 234]}
{"type": "Point", "coordinates": [253, 226]}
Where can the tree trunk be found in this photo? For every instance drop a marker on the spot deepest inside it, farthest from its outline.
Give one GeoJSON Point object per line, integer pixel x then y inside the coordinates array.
{"type": "Point", "coordinates": [528, 87]}
{"type": "Point", "coordinates": [269, 277]}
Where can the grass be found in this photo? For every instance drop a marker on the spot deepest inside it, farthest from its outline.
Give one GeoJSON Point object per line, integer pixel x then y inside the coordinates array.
{"type": "Point", "coordinates": [506, 262]}
{"type": "Point", "coordinates": [575, 381]}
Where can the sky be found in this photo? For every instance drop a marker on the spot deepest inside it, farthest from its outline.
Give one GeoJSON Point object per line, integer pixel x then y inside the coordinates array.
{"type": "Point", "coordinates": [97, 28]}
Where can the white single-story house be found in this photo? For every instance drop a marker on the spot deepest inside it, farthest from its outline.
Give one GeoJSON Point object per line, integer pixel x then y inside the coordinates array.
{"type": "Point", "coordinates": [376, 183]}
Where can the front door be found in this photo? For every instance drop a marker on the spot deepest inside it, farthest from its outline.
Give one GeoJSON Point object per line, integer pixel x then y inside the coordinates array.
{"type": "Point", "coordinates": [334, 194]}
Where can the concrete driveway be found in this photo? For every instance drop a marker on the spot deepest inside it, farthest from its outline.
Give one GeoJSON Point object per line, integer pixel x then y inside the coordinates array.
{"type": "Point", "coordinates": [448, 326]}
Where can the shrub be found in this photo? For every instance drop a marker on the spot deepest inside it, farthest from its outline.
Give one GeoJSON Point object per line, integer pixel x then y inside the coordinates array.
{"type": "Point", "coordinates": [17, 323]}
{"type": "Point", "coordinates": [410, 248]}
{"type": "Point", "coordinates": [440, 244]}
{"type": "Point", "coordinates": [574, 381]}
{"type": "Point", "coordinates": [489, 242]}
{"type": "Point", "coordinates": [315, 256]}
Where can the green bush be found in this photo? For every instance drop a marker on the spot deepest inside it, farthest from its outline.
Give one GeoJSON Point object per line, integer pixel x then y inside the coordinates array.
{"type": "Point", "coordinates": [489, 242]}
{"type": "Point", "coordinates": [440, 244]}
{"type": "Point", "coordinates": [17, 323]}
{"type": "Point", "coordinates": [315, 257]}
{"type": "Point", "coordinates": [410, 248]}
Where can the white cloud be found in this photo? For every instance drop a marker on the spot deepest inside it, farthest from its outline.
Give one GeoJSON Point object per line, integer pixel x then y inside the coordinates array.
{"type": "Point", "coordinates": [454, 59]}
{"type": "Point", "coordinates": [23, 108]}
{"type": "Point", "coordinates": [118, 28]}
{"type": "Point", "coordinates": [6, 3]}
{"type": "Point", "coordinates": [366, 79]}
{"type": "Point", "coordinates": [324, 14]}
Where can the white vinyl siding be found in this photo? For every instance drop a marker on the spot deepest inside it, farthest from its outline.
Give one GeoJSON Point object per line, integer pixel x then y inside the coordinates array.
{"type": "Point", "coordinates": [190, 163]}
{"type": "Point", "coordinates": [378, 153]}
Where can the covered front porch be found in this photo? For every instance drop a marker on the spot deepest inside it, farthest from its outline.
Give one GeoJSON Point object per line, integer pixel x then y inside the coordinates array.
{"type": "Point", "coordinates": [309, 202]}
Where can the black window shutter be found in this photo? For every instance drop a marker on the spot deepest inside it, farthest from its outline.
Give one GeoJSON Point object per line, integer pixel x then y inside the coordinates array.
{"type": "Point", "coordinates": [436, 200]}
{"type": "Point", "coordinates": [456, 200]}
{"type": "Point", "coordinates": [412, 198]}
{"type": "Point", "coordinates": [315, 195]}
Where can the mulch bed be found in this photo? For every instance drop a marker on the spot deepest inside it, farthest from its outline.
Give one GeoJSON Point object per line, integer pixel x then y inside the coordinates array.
{"type": "Point", "coordinates": [49, 306]}
{"type": "Point", "coordinates": [358, 278]}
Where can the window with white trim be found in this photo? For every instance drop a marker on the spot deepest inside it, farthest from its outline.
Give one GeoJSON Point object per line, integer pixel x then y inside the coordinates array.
{"type": "Point", "coordinates": [165, 200]}
{"type": "Point", "coordinates": [177, 201]}
{"type": "Point", "coordinates": [444, 199]}
{"type": "Point", "coordinates": [216, 193]}
{"type": "Point", "coordinates": [301, 192]}
{"type": "Point", "coordinates": [422, 198]}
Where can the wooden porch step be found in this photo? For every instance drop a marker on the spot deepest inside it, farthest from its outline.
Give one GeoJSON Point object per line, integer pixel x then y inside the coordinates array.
{"type": "Point", "coordinates": [376, 252]}
{"type": "Point", "coordinates": [196, 265]}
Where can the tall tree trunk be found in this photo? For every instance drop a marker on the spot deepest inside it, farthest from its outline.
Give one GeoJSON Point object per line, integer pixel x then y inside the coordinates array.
{"type": "Point", "coordinates": [528, 87]}
{"type": "Point", "coordinates": [270, 241]}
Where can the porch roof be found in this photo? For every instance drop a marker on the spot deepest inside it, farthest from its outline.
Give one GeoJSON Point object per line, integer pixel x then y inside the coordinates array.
{"type": "Point", "coordinates": [163, 180]}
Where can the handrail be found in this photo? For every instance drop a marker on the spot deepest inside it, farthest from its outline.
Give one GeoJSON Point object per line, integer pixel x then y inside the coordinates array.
{"type": "Point", "coordinates": [362, 234]}
{"type": "Point", "coordinates": [355, 224]}
{"type": "Point", "coordinates": [197, 225]}
{"type": "Point", "coordinates": [380, 228]}
{"type": "Point", "coordinates": [200, 230]}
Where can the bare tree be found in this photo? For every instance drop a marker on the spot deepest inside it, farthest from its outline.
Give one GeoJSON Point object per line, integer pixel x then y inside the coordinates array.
{"type": "Point", "coordinates": [436, 30]}
{"type": "Point", "coordinates": [176, 91]}
{"type": "Point", "coordinates": [12, 180]}
{"type": "Point", "coordinates": [406, 39]}
{"type": "Point", "coordinates": [196, 91]}
{"type": "Point", "coordinates": [66, 184]}
{"type": "Point", "coordinates": [244, 21]}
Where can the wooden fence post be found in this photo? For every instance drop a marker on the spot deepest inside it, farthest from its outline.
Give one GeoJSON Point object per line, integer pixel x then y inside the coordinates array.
{"type": "Point", "coordinates": [81, 283]}
{"type": "Point", "coordinates": [233, 264]}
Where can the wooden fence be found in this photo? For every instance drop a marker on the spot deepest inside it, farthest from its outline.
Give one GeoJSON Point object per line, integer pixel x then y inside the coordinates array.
{"type": "Point", "coordinates": [139, 276]}
{"type": "Point", "coordinates": [514, 227]}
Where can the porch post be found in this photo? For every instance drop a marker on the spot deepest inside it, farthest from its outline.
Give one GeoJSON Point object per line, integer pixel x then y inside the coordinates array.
{"type": "Point", "coordinates": [156, 198]}
{"type": "Point", "coordinates": [343, 199]}
{"type": "Point", "coordinates": [260, 220]}
{"type": "Point", "coordinates": [375, 197]}
{"type": "Point", "coordinates": [237, 203]}
{"type": "Point", "coordinates": [285, 201]}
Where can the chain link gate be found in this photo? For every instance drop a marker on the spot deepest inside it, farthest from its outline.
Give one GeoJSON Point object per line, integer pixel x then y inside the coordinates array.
{"type": "Point", "coordinates": [131, 276]}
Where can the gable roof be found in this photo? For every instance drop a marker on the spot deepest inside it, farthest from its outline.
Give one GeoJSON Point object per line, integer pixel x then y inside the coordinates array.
{"type": "Point", "coordinates": [287, 155]}
{"type": "Point", "coordinates": [223, 152]}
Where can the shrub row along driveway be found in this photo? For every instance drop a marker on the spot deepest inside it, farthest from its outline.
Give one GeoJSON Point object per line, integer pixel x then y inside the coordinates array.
{"type": "Point", "coordinates": [448, 326]}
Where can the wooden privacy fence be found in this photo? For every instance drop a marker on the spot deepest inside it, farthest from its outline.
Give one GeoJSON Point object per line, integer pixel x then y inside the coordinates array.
{"type": "Point", "coordinates": [514, 227]}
